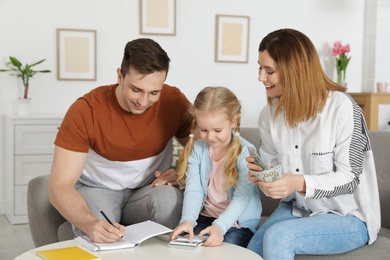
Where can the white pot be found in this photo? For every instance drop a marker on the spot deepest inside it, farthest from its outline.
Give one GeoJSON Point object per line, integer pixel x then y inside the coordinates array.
{"type": "Point", "coordinates": [23, 106]}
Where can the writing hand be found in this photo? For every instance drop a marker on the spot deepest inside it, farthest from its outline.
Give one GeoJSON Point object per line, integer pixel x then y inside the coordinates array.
{"type": "Point", "coordinates": [109, 221]}
{"type": "Point", "coordinates": [104, 232]}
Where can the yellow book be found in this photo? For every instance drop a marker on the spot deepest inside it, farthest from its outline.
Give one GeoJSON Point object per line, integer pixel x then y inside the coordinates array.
{"type": "Point", "coordinates": [66, 253]}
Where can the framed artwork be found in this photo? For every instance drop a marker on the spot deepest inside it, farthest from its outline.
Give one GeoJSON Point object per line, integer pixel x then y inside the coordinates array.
{"type": "Point", "coordinates": [158, 17]}
{"type": "Point", "coordinates": [231, 38]}
{"type": "Point", "coordinates": [76, 54]}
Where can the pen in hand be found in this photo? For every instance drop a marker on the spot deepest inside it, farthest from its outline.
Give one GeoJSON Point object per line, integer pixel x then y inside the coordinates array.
{"type": "Point", "coordinates": [108, 220]}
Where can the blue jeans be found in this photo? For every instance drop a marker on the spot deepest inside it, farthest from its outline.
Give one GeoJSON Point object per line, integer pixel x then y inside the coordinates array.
{"type": "Point", "coordinates": [237, 236]}
{"type": "Point", "coordinates": [283, 235]}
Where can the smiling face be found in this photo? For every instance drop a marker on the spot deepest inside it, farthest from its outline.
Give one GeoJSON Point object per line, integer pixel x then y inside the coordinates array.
{"type": "Point", "coordinates": [269, 75]}
{"type": "Point", "coordinates": [215, 128]}
{"type": "Point", "coordinates": [137, 92]}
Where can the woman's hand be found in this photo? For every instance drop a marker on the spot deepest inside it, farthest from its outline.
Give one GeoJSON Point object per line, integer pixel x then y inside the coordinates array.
{"type": "Point", "coordinates": [284, 186]}
{"type": "Point", "coordinates": [253, 167]}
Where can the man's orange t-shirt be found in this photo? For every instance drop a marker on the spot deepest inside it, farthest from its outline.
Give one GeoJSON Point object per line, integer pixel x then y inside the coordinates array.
{"type": "Point", "coordinates": [124, 149]}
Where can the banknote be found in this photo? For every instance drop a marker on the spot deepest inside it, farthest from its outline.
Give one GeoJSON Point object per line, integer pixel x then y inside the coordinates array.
{"type": "Point", "coordinates": [269, 175]}
{"type": "Point", "coordinates": [258, 160]}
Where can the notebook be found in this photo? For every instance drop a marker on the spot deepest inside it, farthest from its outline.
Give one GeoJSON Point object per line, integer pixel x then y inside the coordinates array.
{"type": "Point", "coordinates": [134, 235]}
{"type": "Point", "coordinates": [66, 253]}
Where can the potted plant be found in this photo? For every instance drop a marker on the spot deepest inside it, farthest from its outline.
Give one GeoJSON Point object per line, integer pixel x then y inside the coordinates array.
{"type": "Point", "coordinates": [25, 72]}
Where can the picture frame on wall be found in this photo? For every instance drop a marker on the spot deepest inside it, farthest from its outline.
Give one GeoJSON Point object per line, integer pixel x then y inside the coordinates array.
{"type": "Point", "coordinates": [158, 17]}
{"type": "Point", "coordinates": [232, 38]}
{"type": "Point", "coordinates": [76, 54]}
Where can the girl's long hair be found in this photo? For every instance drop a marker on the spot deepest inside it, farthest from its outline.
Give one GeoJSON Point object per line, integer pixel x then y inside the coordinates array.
{"type": "Point", "coordinates": [210, 100]}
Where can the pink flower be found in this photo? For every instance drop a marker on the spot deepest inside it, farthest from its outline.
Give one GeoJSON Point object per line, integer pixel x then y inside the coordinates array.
{"type": "Point", "coordinates": [339, 49]}
{"type": "Point", "coordinates": [342, 59]}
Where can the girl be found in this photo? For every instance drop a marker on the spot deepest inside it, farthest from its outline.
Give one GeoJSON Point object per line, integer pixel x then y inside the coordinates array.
{"type": "Point", "coordinates": [219, 200]}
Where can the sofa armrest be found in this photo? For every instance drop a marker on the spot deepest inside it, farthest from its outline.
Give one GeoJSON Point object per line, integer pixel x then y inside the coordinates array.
{"type": "Point", "coordinates": [44, 219]}
{"type": "Point", "coordinates": [380, 143]}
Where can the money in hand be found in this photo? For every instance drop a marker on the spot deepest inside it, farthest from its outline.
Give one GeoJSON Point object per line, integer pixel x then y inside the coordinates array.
{"type": "Point", "coordinates": [269, 175]}
{"type": "Point", "coordinates": [258, 160]}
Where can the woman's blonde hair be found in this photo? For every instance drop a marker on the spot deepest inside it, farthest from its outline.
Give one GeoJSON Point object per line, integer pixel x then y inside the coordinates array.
{"type": "Point", "coordinates": [305, 84]}
{"type": "Point", "coordinates": [209, 100]}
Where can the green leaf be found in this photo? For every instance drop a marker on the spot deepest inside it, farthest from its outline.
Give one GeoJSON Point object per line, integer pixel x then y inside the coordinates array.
{"type": "Point", "coordinates": [14, 61]}
{"type": "Point", "coordinates": [36, 63]}
{"type": "Point", "coordinates": [15, 67]}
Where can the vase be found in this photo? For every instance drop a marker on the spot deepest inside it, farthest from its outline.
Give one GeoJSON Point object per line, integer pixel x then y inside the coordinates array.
{"type": "Point", "coordinates": [23, 106]}
{"type": "Point", "coordinates": [341, 78]}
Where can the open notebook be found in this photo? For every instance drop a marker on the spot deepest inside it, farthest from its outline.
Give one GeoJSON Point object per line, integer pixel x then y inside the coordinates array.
{"type": "Point", "coordinates": [134, 235]}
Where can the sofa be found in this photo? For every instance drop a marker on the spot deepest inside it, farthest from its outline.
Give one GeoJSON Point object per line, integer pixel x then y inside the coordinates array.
{"type": "Point", "coordinates": [48, 226]}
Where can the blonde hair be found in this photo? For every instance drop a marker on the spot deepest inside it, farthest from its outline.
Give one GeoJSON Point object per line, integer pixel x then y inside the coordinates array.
{"type": "Point", "coordinates": [221, 100]}
{"type": "Point", "coordinates": [305, 84]}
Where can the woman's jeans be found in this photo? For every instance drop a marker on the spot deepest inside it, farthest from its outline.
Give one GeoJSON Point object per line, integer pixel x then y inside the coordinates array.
{"type": "Point", "coordinates": [283, 235]}
{"type": "Point", "coordinates": [237, 236]}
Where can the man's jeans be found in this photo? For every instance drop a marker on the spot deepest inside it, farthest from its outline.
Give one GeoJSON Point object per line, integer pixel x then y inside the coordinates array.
{"type": "Point", "coordinates": [162, 204]}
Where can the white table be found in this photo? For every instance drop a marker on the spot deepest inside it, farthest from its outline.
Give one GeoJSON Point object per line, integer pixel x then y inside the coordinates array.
{"type": "Point", "coordinates": [157, 248]}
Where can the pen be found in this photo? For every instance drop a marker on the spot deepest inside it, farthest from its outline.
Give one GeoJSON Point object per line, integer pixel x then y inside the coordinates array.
{"type": "Point", "coordinates": [108, 220]}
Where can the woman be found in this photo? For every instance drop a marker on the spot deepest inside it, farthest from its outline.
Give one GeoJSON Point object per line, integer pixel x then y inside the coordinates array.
{"type": "Point", "coordinates": [318, 134]}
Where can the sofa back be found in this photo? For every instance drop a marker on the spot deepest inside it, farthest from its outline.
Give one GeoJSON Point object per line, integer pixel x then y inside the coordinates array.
{"type": "Point", "coordinates": [251, 134]}
{"type": "Point", "coordinates": [380, 143]}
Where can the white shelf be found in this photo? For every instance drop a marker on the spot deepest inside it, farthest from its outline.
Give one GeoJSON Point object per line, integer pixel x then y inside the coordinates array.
{"type": "Point", "coordinates": [29, 148]}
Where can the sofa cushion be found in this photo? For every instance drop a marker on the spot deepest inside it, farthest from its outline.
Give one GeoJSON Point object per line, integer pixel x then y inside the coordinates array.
{"type": "Point", "coordinates": [177, 148]}
{"type": "Point", "coordinates": [43, 218]}
{"type": "Point", "coordinates": [65, 231]}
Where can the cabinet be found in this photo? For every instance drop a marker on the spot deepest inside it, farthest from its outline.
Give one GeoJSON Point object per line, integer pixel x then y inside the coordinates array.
{"type": "Point", "coordinates": [29, 147]}
{"type": "Point", "coordinates": [376, 109]}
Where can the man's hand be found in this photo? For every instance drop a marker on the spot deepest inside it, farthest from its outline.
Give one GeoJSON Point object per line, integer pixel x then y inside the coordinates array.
{"type": "Point", "coordinates": [168, 177]}
{"type": "Point", "coordinates": [100, 231]}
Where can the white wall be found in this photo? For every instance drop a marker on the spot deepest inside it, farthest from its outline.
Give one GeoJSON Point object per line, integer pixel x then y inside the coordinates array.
{"type": "Point", "coordinates": [28, 31]}
{"type": "Point", "coordinates": [376, 51]}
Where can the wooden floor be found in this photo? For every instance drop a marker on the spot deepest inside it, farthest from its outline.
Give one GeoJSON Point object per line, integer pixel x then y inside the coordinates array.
{"type": "Point", "coordinates": [14, 239]}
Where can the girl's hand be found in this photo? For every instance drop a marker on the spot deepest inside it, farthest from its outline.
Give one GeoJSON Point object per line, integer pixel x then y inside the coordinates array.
{"type": "Point", "coordinates": [215, 236]}
{"type": "Point", "coordinates": [185, 227]}
{"type": "Point", "coordinates": [284, 186]}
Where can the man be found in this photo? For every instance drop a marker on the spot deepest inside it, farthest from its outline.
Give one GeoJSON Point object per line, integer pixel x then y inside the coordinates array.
{"type": "Point", "coordinates": [113, 150]}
